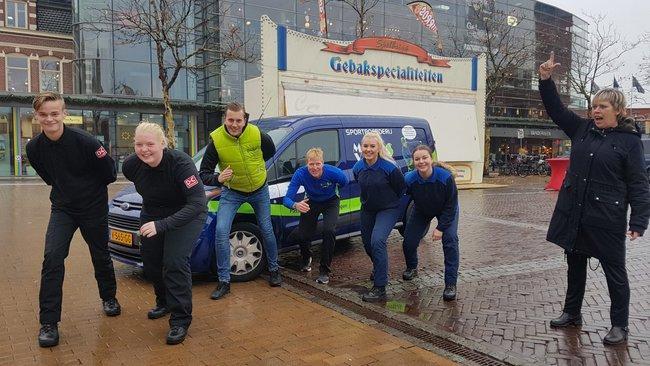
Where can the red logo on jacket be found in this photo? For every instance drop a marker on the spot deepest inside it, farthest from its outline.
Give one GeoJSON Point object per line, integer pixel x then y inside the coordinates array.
{"type": "Point", "coordinates": [101, 152]}
{"type": "Point", "coordinates": [191, 181]}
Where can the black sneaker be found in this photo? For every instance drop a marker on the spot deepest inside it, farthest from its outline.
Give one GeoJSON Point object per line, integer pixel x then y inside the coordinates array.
{"type": "Point", "coordinates": [275, 279]}
{"type": "Point", "coordinates": [176, 334]}
{"type": "Point", "coordinates": [409, 274]}
{"type": "Point", "coordinates": [376, 294]}
{"type": "Point", "coordinates": [157, 312]}
{"type": "Point", "coordinates": [323, 279]}
{"type": "Point", "coordinates": [48, 335]}
{"type": "Point", "coordinates": [449, 293]}
{"type": "Point", "coordinates": [112, 307]}
{"type": "Point", "coordinates": [305, 265]}
{"type": "Point", "coordinates": [220, 291]}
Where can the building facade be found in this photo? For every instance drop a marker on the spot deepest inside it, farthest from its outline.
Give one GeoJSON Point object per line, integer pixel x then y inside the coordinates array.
{"type": "Point", "coordinates": [516, 107]}
{"type": "Point", "coordinates": [59, 45]}
{"type": "Point", "coordinates": [36, 54]}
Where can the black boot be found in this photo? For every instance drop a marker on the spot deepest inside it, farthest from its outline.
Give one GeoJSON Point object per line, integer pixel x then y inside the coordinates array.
{"type": "Point", "coordinates": [222, 289]}
{"type": "Point", "coordinates": [158, 312]}
{"type": "Point", "coordinates": [176, 334]}
{"type": "Point", "coordinates": [49, 335]}
{"type": "Point", "coordinates": [616, 335]}
{"type": "Point", "coordinates": [275, 279]}
{"type": "Point", "coordinates": [449, 293]}
{"type": "Point", "coordinates": [566, 320]}
{"type": "Point", "coordinates": [376, 294]}
{"type": "Point", "coordinates": [112, 307]}
{"type": "Point", "coordinates": [410, 274]}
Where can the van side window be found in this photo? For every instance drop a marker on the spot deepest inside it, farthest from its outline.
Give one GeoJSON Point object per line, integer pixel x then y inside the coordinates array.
{"type": "Point", "coordinates": [326, 140]}
{"type": "Point", "coordinates": [293, 157]}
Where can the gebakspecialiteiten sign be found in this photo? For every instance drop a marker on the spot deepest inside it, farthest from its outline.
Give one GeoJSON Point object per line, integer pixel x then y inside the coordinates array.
{"type": "Point", "coordinates": [390, 72]}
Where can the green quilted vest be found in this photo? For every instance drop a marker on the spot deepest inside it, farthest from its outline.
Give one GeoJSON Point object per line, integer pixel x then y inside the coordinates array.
{"type": "Point", "coordinates": [244, 156]}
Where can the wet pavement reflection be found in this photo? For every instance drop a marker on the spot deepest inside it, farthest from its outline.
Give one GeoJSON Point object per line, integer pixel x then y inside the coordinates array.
{"type": "Point", "coordinates": [254, 325]}
{"type": "Point", "coordinates": [511, 283]}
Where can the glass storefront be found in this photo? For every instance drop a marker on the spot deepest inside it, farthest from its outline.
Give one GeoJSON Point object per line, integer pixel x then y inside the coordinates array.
{"type": "Point", "coordinates": [115, 129]}
{"type": "Point", "coordinates": [6, 161]}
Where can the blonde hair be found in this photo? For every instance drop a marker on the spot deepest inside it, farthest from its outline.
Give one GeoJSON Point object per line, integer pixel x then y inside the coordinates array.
{"type": "Point", "coordinates": [614, 96]}
{"type": "Point", "coordinates": [154, 129]}
{"type": "Point", "coordinates": [315, 153]}
{"type": "Point", "coordinates": [383, 152]}
{"type": "Point", "coordinates": [49, 96]}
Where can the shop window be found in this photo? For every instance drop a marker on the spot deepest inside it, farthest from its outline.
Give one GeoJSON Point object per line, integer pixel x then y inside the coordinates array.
{"type": "Point", "coordinates": [16, 14]}
{"type": "Point", "coordinates": [17, 74]}
{"type": "Point", "coordinates": [50, 75]}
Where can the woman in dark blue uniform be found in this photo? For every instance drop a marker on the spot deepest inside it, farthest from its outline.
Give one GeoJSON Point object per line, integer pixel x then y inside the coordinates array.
{"type": "Point", "coordinates": [606, 175]}
{"type": "Point", "coordinates": [382, 185]}
{"type": "Point", "coordinates": [434, 194]}
{"type": "Point", "coordinates": [173, 214]}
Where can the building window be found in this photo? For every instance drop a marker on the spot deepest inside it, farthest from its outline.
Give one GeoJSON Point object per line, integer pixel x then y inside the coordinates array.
{"type": "Point", "coordinates": [17, 74]}
{"type": "Point", "coordinates": [16, 14]}
{"type": "Point", "coordinates": [50, 75]}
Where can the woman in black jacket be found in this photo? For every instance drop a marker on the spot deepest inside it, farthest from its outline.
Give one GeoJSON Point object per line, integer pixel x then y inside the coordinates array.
{"type": "Point", "coordinates": [173, 214]}
{"type": "Point", "coordinates": [606, 175]}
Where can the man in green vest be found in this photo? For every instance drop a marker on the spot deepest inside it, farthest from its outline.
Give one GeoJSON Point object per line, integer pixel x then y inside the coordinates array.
{"type": "Point", "coordinates": [240, 149]}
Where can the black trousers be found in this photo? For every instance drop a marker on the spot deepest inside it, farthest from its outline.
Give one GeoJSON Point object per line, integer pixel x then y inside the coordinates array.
{"type": "Point", "coordinates": [617, 284]}
{"type": "Point", "coordinates": [61, 228]}
{"type": "Point", "coordinates": [166, 260]}
{"type": "Point", "coordinates": [307, 228]}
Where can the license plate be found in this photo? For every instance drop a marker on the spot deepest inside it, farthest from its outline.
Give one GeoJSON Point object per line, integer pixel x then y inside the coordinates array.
{"type": "Point", "coordinates": [122, 237]}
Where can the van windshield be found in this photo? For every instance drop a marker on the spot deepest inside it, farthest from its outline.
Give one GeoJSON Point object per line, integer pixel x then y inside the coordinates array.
{"type": "Point", "coordinates": [277, 135]}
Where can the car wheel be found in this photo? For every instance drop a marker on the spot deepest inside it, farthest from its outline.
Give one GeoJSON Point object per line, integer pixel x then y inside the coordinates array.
{"type": "Point", "coordinates": [247, 254]}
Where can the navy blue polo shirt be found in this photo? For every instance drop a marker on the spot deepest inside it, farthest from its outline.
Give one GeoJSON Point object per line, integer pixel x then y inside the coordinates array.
{"type": "Point", "coordinates": [382, 184]}
{"type": "Point", "coordinates": [436, 196]}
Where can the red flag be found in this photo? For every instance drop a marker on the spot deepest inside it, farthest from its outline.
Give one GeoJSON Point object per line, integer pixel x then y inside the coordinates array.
{"type": "Point", "coordinates": [424, 13]}
{"type": "Point", "coordinates": [322, 16]}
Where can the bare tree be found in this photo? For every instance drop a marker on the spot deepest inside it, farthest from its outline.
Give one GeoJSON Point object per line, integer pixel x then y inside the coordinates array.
{"type": "Point", "coordinates": [186, 35]}
{"type": "Point", "coordinates": [606, 48]}
{"type": "Point", "coordinates": [497, 34]}
{"type": "Point", "coordinates": [494, 32]}
{"type": "Point", "coordinates": [362, 8]}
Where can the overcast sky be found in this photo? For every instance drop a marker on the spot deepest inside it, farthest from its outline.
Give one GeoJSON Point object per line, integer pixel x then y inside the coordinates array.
{"type": "Point", "coordinates": [631, 18]}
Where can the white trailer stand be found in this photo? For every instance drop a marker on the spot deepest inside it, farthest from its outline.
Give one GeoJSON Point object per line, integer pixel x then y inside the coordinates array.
{"type": "Point", "coordinates": [304, 74]}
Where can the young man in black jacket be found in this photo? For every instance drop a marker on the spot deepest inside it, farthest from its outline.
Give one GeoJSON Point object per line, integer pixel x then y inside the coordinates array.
{"type": "Point", "coordinates": [78, 168]}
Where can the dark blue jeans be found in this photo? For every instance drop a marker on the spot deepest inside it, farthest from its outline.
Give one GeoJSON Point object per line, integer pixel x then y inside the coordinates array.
{"type": "Point", "coordinates": [416, 228]}
{"type": "Point", "coordinates": [375, 227]}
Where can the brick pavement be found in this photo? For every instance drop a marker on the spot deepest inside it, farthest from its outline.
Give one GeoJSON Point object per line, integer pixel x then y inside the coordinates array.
{"type": "Point", "coordinates": [512, 282]}
{"type": "Point", "coordinates": [255, 325]}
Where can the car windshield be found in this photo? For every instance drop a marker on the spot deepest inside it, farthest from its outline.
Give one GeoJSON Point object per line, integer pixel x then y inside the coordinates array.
{"type": "Point", "coordinates": [276, 134]}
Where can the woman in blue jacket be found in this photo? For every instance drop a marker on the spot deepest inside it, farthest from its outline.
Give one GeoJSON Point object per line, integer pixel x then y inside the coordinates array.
{"type": "Point", "coordinates": [382, 185]}
{"type": "Point", "coordinates": [434, 194]}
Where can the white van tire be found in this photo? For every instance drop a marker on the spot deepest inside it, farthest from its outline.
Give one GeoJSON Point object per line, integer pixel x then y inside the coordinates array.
{"type": "Point", "coordinates": [247, 254]}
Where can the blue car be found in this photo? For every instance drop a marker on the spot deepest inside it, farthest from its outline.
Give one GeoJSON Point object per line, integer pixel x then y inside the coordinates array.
{"type": "Point", "coordinates": [340, 138]}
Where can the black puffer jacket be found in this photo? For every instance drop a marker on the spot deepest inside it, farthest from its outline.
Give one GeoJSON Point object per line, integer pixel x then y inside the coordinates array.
{"type": "Point", "coordinates": [606, 174]}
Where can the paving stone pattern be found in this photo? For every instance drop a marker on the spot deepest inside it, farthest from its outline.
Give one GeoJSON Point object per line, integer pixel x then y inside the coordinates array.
{"type": "Point", "coordinates": [254, 325]}
{"type": "Point", "coordinates": [512, 282]}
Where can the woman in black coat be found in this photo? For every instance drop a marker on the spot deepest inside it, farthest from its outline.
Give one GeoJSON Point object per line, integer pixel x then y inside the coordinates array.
{"type": "Point", "coordinates": [606, 175]}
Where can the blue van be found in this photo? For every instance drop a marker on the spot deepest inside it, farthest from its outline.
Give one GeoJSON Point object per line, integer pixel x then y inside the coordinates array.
{"type": "Point", "coordinates": [340, 138]}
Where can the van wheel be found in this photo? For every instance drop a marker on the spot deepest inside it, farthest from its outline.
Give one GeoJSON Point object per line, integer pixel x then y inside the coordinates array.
{"type": "Point", "coordinates": [247, 254]}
